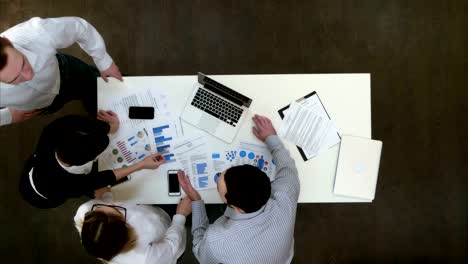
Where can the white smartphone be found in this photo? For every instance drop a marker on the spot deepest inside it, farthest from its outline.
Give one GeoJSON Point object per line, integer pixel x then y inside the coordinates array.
{"type": "Point", "coordinates": [173, 183]}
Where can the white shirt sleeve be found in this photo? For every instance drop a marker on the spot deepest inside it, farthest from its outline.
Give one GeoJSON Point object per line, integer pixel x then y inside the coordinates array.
{"type": "Point", "coordinates": [5, 116]}
{"type": "Point", "coordinates": [64, 31]}
{"type": "Point", "coordinates": [171, 246]}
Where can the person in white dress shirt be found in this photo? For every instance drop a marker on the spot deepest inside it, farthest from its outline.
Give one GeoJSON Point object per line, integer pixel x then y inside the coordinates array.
{"type": "Point", "coordinates": [119, 232]}
{"type": "Point", "coordinates": [35, 78]}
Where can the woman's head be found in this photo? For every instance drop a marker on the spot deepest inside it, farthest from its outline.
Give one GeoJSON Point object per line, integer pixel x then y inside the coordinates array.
{"type": "Point", "coordinates": [80, 147]}
{"type": "Point", "coordinates": [105, 233]}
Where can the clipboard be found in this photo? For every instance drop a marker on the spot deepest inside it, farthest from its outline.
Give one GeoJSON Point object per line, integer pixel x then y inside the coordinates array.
{"type": "Point", "coordinates": [281, 113]}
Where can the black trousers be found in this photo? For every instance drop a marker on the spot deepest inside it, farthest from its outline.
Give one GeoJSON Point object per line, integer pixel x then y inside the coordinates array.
{"type": "Point", "coordinates": [29, 194]}
{"type": "Point", "coordinates": [78, 81]}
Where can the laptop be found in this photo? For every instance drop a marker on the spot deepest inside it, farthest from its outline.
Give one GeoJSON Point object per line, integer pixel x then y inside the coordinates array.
{"type": "Point", "coordinates": [216, 109]}
{"type": "Point", "coordinates": [358, 167]}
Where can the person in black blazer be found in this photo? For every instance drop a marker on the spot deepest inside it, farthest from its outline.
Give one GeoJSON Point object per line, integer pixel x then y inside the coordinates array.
{"type": "Point", "coordinates": [63, 165]}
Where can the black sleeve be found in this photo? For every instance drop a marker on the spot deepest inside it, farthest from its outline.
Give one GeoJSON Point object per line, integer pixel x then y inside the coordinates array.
{"type": "Point", "coordinates": [100, 179]}
{"type": "Point", "coordinates": [61, 127]}
{"type": "Point", "coordinates": [85, 184]}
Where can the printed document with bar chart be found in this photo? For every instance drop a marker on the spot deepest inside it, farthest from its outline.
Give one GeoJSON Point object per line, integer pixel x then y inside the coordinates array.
{"type": "Point", "coordinates": [129, 147]}
{"type": "Point", "coordinates": [192, 154]}
{"type": "Point", "coordinates": [164, 133]}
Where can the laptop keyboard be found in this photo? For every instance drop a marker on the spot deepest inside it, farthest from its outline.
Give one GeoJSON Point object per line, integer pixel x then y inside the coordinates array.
{"type": "Point", "coordinates": [217, 107]}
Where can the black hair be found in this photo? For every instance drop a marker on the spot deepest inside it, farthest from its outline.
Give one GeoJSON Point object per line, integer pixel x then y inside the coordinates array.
{"type": "Point", "coordinates": [80, 147]}
{"type": "Point", "coordinates": [248, 187]}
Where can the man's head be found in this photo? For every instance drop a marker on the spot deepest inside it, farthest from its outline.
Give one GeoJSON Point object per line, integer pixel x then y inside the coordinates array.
{"type": "Point", "coordinates": [245, 187]}
{"type": "Point", "coordinates": [14, 66]}
{"type": "Point", "coordinates": [80, 147]}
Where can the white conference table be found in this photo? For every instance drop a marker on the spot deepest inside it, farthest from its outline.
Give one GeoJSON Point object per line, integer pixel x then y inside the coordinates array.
{"type": "Point", "coordinates": [346, 97]}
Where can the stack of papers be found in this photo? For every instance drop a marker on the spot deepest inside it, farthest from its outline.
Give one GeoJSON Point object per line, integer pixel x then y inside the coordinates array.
{"type": "Point", "coordinates": [204, 166]}
{"type": "Point", "coordinates": [192, 154]}
{"type": "Point", "coordinates": [307, 125]}
{"type": "Point", "coordinates": [137, 139]}
{"type": "Point", "coordinates": [247, 153]}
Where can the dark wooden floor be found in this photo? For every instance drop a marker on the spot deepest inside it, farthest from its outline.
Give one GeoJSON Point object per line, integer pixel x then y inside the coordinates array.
{"type": "Point", "coordinates": [416, 52]}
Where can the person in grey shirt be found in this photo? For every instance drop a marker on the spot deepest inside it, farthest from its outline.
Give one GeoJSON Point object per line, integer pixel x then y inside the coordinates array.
{"type": "Point", "coordinates": [258, 224]}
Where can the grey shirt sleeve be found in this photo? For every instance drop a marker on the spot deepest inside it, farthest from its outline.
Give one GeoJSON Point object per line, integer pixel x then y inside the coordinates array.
{"type": "Point", "coordinates": [286, 183]}
{"type": "Point", "coordinates": [200, 224]}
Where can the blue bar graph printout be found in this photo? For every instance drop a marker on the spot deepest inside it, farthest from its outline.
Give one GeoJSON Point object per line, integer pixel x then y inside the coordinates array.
{"type": "Point", "coordinates": [163, 139]}
{"type": "Point", "coordinates": [203, 182]}
{"type": "Point", "coordinates": [201, 168]}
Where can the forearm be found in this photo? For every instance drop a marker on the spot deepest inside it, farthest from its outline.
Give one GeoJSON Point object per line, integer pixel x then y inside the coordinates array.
{"type": "Point", "coordinates": [172, 244]}
{"type": "Point", "coordinates": [93, 44]}
{"type": "Point", "coordinates": [175, 233]}
{"type": "Point", "coordinates": [123, 172]}
{"type": "Point", "coordinates": [287, 178]}
{"type": "Point", "coordinates": [280, 154]}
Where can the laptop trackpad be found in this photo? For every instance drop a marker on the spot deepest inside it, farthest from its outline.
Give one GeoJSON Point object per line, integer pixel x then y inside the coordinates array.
{"type": "Point", "coordinates": [208, 123]}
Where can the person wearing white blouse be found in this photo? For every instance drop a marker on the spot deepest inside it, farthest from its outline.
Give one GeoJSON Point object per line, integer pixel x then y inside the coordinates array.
{"type": "Point", "coordinates": [35, 78]}
{"type": "Point", "coordinates": [119, 232]}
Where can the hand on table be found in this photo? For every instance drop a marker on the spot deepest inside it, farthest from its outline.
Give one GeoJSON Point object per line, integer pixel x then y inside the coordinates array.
{"type": "Point", "coordinates": [263, 127]}
{"type": "Point", "coordinates": [110, 118]}
{"type": "Point", "coordinates": [184, 207]}
{"type": "Point", "coordinates": [112, 71]}
{"type": "Point", "coordinates": [184, 182]}
{"type": "Point", "coordinates": [153, 162]}
{"type": "Point", "coordinates": [19, 116]}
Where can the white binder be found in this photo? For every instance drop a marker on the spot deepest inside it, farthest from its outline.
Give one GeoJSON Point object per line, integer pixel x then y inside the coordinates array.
{"type": "Point", "coordinates": [358, 167]}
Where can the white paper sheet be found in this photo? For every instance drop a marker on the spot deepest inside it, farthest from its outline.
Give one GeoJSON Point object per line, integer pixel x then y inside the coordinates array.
{"type": "Point", "coordinates": [258, 156]}
{"type": "Point", "coordinates": [137, 138]}
{"type": "Point", "coordinates": [192, 154]}
{"type": "Point", "coordinates": [129, 147]}
{"type": "Point", "coordinates": [148, 97]}
{"type": "Point", "coordinates": [307, 125]}
{"type": "Point", "coordinates": [247, 153]}
{"type": "Point", "coordinates": [222, 160]}
{"type": "Point", "coordinates": [163, 134]}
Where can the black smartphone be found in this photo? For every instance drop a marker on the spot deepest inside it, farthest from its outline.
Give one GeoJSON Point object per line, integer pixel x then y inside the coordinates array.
{"type": "Point", "coordinates": [141, 112]}
{"type": "Point", "coordinates": [173, 182]}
